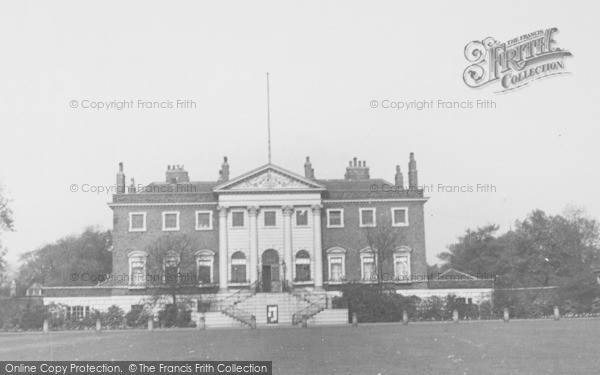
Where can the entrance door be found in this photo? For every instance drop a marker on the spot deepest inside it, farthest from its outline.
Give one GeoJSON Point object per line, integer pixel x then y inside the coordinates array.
{"type": "Point", "coordinates": [270, 271]}
{"type": "Point", "coordinates": [266, 279]}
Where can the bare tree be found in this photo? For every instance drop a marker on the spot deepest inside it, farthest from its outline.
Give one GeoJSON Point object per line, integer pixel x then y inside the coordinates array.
{"type": "Point", "coordinates": [170, 266]}
{"type": "Point", "coordinates": [382, 240]}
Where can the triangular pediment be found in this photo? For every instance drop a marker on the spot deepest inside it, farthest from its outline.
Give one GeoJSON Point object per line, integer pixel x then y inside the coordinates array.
{"type": "Point", "coordinates": [269, 178]}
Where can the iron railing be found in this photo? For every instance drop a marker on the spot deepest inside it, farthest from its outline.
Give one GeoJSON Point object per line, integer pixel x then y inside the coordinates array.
{"type": "Point", "coordinates": [238, 314]}
{"type": "Point", "coordinates": [308, 296]}
{"type": "Point", "coordinates": [233, 299]}
{"type": "Point", "coordinates": [311, 310]}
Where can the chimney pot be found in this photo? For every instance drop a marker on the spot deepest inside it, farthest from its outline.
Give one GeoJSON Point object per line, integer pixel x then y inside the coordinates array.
{"type": "Point", "coordinates": [357, 170]}
{"type": "Point", "coordinates": [413, 182]}
{"type": "Point", "coordinates": [120, 180]}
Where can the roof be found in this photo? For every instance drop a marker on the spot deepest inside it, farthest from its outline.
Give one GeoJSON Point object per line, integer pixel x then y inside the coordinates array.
{"type": "Point", "coordinates": [35, 285]}
{"type": "Point", "coordinates": [452, 274]}
{"type": "Point", "coordinates": [206, 191]}
{"type": "Point", "coordinates": [192, 187]}
{"type": "Point", "coordinates": [374, 188]}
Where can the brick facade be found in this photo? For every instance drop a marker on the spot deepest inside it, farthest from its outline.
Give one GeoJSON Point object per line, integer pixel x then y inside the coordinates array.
{"type": "Point", "coordinates": [278, 190]}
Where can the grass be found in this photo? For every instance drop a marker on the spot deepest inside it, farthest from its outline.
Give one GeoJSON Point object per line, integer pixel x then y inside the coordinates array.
{"type": "Point", "coordinates": [519, 347]}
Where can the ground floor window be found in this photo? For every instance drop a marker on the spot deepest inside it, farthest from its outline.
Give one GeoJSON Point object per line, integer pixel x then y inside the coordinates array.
{"type": "Point", "coordinates": [238, 267]}
{"type": "Point", "coordinates": [171, 267]}
{"type": "Point", "coordinates": [205, 260]}
{"type": "Point", "coordinates": [336, 264]}
{"type": "Point", "coordinates": [402, 264]}
{"type": "Point", "coordinates": [137, 269]}
{"type": "Point", "coordinates": [77, 312]}
{"type": "Point", "coordinates": [302, 266]}
{"type": "Point", "coordinates": [367, 267]}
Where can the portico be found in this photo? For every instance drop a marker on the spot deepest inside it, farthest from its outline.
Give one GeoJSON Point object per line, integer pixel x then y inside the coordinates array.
{"type": "Point", "coordinates": [271, 215]}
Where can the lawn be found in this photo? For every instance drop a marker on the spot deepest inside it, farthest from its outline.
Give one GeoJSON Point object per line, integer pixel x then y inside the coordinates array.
{"type": "Point", "coordinates": [518, 347]}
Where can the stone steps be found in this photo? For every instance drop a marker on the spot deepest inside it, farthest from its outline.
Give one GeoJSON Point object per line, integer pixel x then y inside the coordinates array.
{"type": "Point", "coordinates": [329, 317]}
{"type": "Point", "coordinates": [287, 305]}
{"type": "Point", "coordinates": [217, 320]}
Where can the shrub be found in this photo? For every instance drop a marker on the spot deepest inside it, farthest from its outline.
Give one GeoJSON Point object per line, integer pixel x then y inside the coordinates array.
{"type": "Point", "coordinates": [339, 303]}
{"type": "Point", "coordinates": [113, 317]}
{"type": "Point", "coordinates": [432, 308]}
{"type": "Point", "coordinates": [175, 316]}
{"type": "Point", "coordinates": [137, 317]}
{"type": "Point", "coordinates": [486, 310]}
{"type": "Point", "coordinates": [371, 305]}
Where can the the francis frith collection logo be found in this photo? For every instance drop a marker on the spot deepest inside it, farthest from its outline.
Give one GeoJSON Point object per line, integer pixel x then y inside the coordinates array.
{"type": "Point", "coordinates": [514, 63]}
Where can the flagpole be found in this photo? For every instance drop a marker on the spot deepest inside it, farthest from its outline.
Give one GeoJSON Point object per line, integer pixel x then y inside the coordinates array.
{"type": "Point", "coordinates": [269, 117]}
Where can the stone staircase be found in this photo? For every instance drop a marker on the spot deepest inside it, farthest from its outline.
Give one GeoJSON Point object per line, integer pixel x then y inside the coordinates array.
{"type": "Point", "coordinates": [287, 305]}
{"type": "Point", "coordinates": [217, 320]}
{"type": "Point", "coordinates": [329, 317]}
{"type": "Point", "coordinates": [314, 305]}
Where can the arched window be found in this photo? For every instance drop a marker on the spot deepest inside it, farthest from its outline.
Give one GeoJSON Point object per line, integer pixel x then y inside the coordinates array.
{"type": "Point", "coordinates": [238, 267]}
{"type": "Point", "coordinates": [137, 268]}
{"type": "Point", "coordinates": [302, 266]}
{"type": "Point", "coordinates": [205, 260]}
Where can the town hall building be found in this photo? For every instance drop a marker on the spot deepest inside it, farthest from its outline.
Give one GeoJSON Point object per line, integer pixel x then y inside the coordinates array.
{"type": "Point", "coordinates": [266, 239]}
{"type": "Point", "coordinates": [272, 228]}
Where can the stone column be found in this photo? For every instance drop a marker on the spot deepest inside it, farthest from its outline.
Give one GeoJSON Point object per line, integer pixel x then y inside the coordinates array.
{"type": "Point", "coordinates": [316, 210]}
{"type": "Point", "coordinates": [222, 249]}
{"type": "Point", "coordinates": [253, 213]}
{"type": "Point", "coordinates": [287, 243]}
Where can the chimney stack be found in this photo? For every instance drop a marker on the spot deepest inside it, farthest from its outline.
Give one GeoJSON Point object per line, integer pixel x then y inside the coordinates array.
{"type": "Point", "coordinates": [132, 186]}
{"type": "Point", "coordinates": [176, 174]}
{"type": "Point", "coordinates": [413, 182]}
{"type": "Point", "coordinates": [309, 172]}
{"type": "Point", "coordinates": [399, 178]}
{"type": "Point", "coordinates": [357, 170]}
{"type": "Point", "coordinates": [224, 172]}
{"type": "Point", "coordinates": [120, 180]}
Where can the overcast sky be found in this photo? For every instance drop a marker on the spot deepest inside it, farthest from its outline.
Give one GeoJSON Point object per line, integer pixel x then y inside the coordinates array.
{"type": "Point", "coordinates": [539, 147]}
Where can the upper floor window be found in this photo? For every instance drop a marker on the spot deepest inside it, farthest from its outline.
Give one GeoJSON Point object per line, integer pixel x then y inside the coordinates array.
{"type": "Point", "coordinates": [171, 220]}
{"type": "Point", "coordinates": [137, 221]}
{"type": "Point", "coordinates": [237, 219]}
{"type": "Point", "coordinates": [335, 218]}
{"type": "Point", "coordinates": [367, 217]}
{"type": "Point", "coordinates": [399, 216]}
{"type": "Point", "coordinates": [301, 218]}
{"type": "Point", "coordinates": [270, 218]}
{"type": "Point", "coordinates": [204, 220]}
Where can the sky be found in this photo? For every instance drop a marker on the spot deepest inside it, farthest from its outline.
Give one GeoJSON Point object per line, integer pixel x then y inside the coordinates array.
{"type": "Point", "coordinates": [328, 62]}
